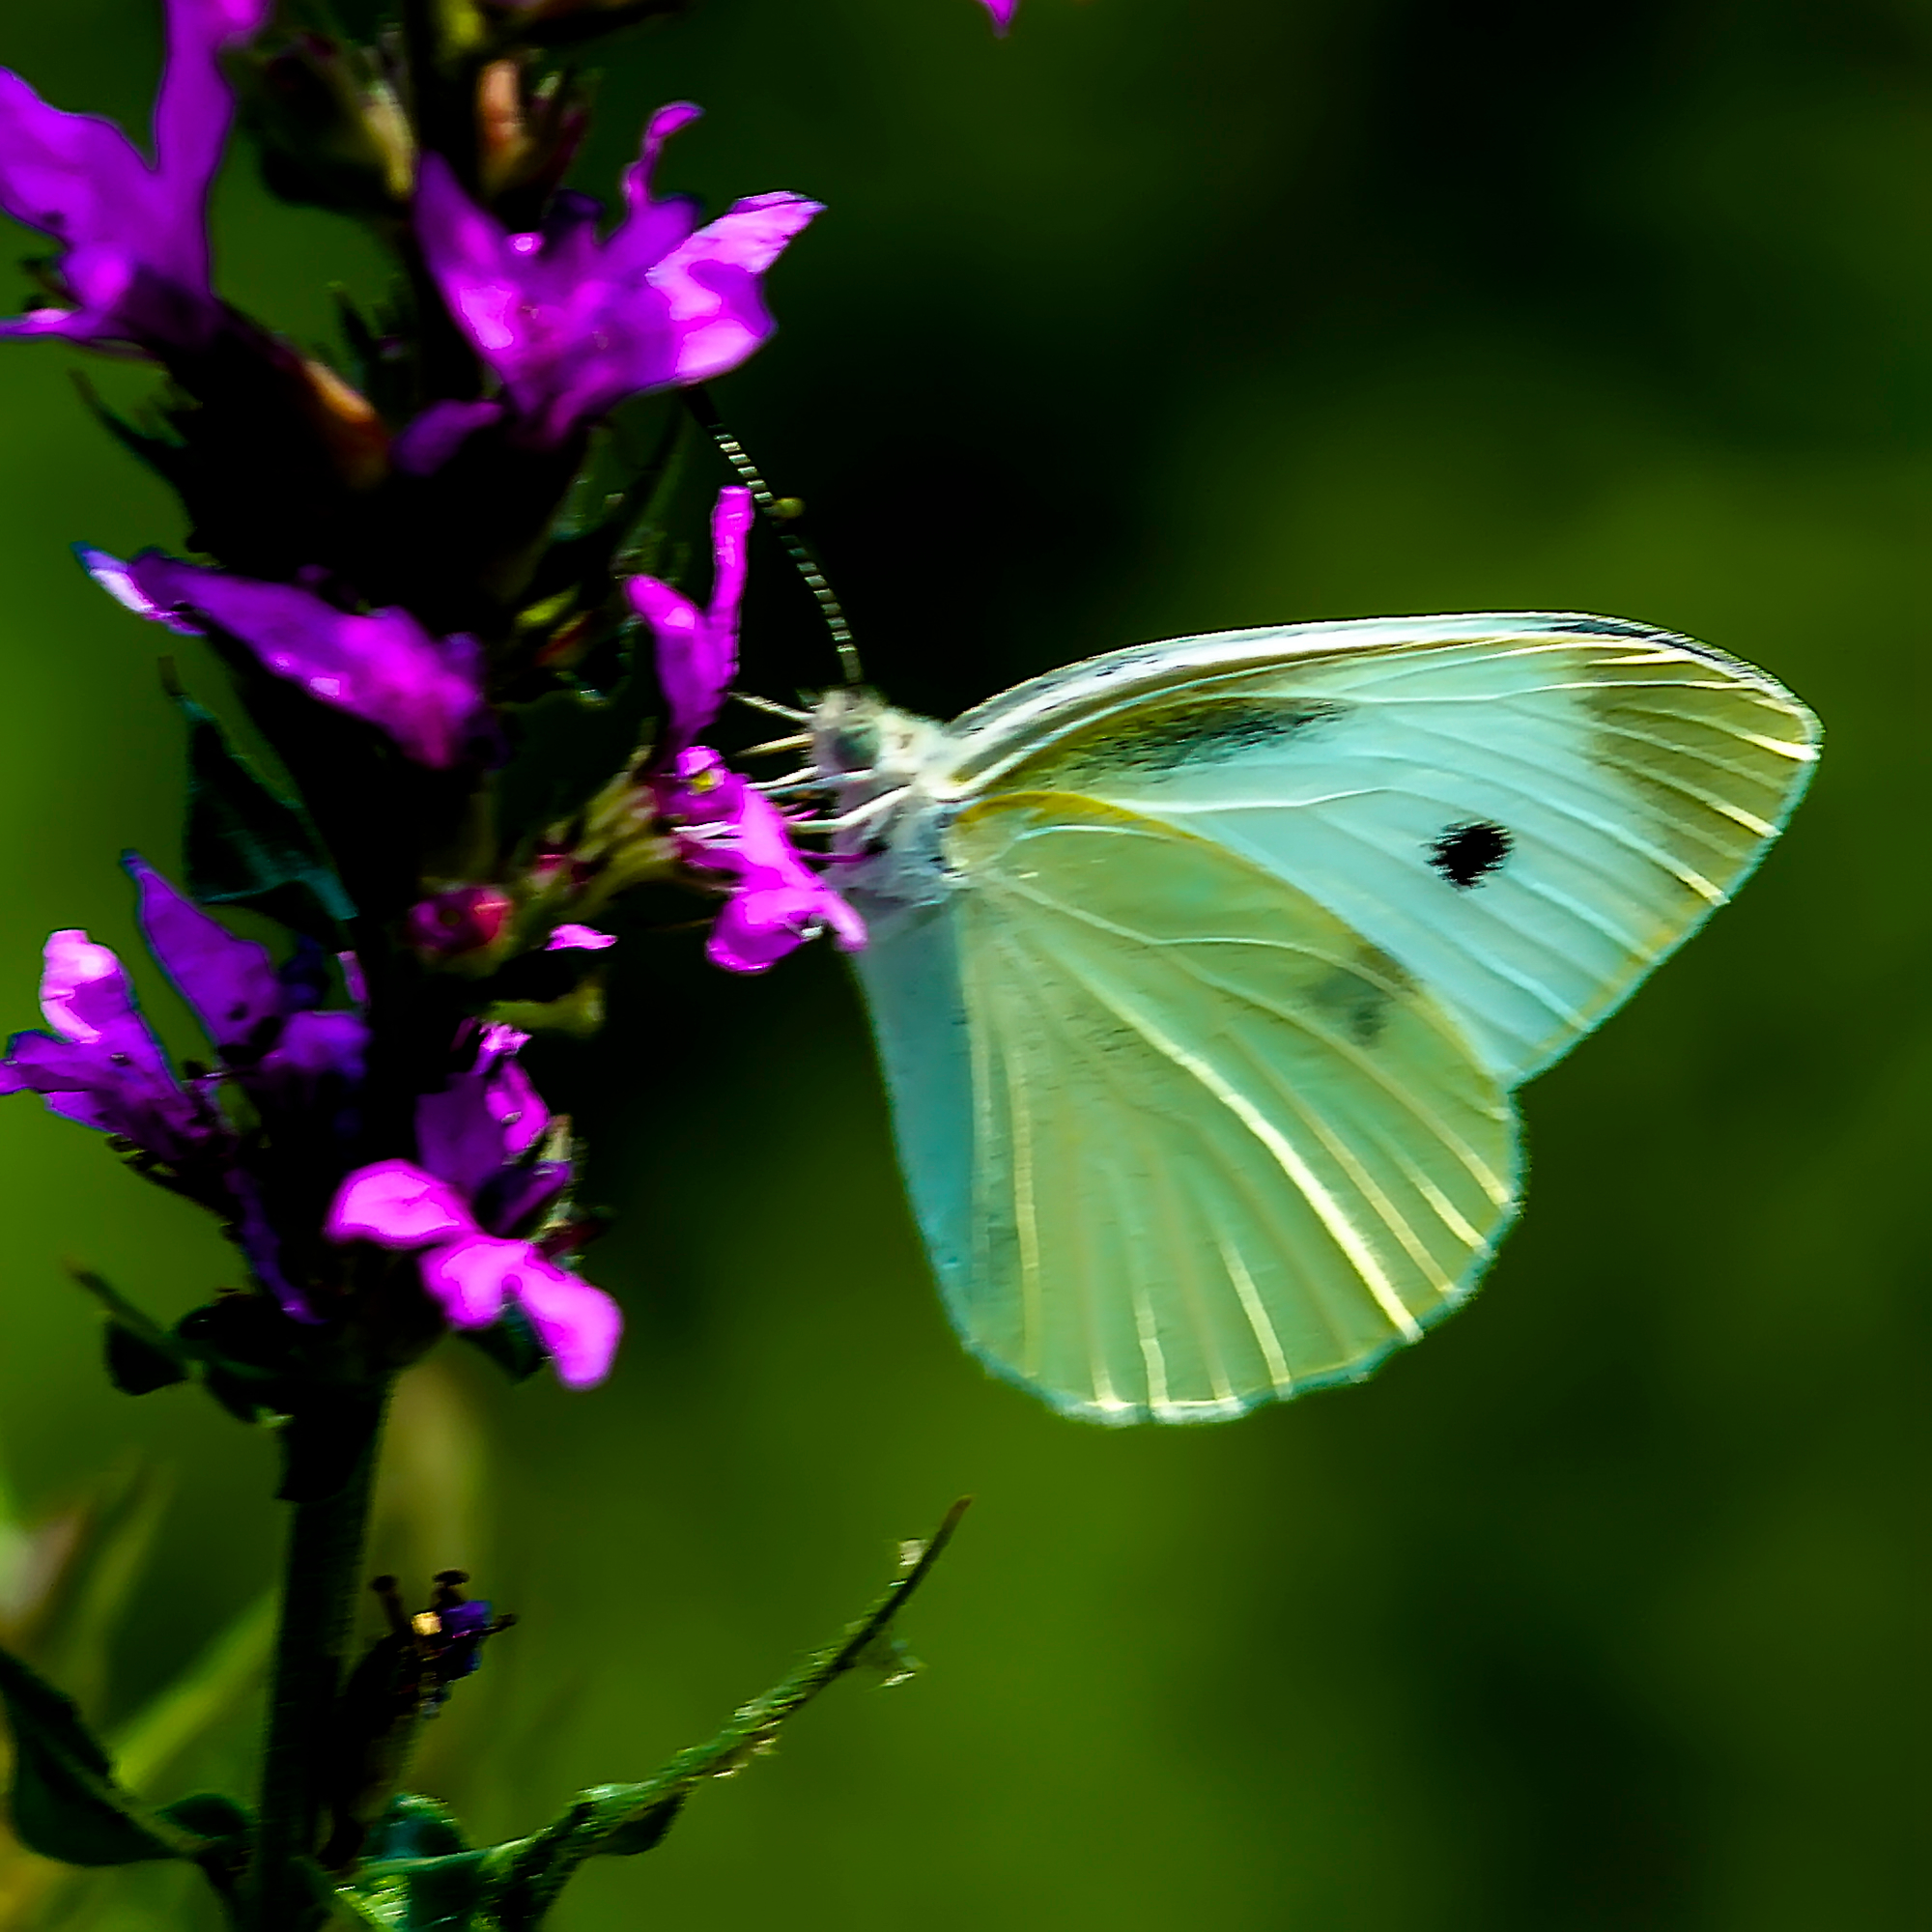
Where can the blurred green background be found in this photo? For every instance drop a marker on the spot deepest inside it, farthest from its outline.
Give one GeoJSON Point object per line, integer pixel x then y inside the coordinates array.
{"type": "Point", "coordinates": [1167, 316]}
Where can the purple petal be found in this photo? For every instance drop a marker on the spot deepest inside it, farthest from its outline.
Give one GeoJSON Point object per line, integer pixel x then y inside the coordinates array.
{"type": "Point", "coordinates": [683, 653]}
{"type": "Point", "coordinates": [425, 444]}
{"type": "Point", "coordinates": [84, 992]}
{"type": "Point", "coordinates": [79, 179]}
{"type": "Point", "coordinates": [778, 902]}
{"type": "Point", "coordinates": [87, 1086]}
{"type": "Point", "coordinates": [312, 1078]}
{"type": "Point", "coordinates": [519, 1108]}
{"type": "Point", "coordinates": [118, 580]}
{"type": "Point", "coordinates": [697, 651]}
{"type": "Point", "coordinates": [572, 325]}
{"type": "Point", "coordinates": [314, 1048]}
{"type": "Point", "coordinates": [516, 1195]}
{"type": "Point", "coordinates": [710, 283]}
{"type": "Point", "coordinates": [230, 983]}
{"type": "Point", "coordinates": [192, 115]}
{"type": "Point", "coordinates": [396, 1205]}
{"type": "Point", "coordinates": [1002, 12]}
{"type": "Point", "coordinates": [578, 1325]}
{"type": "Point", "coordinates": [469, 256]}
{"type": "Point", "coordinates": [384, 668]}
{"type": "Point", "coordinates": [134, 234]}
{"type": "Point", "coordinates": [651, 227]}
{"type": "Point", "coordinates": [107, 1070]}
{"type": "Point", "coordinates": [458, 1137]}
{"type": "Point", "coordinates": [570, 937]}
{"type": "Point", "coordinates": [86, 998]}
{"type": "Point", "coordinates": [482, 1122]}
{"type": "Point", "coordinates": [471, 1277]}
{"type": "Point", "coordinates": [766, 919]}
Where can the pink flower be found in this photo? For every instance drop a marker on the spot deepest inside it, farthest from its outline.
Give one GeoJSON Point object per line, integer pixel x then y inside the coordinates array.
{"type": "Point", "coordinates": [575, 322]}
{"type": "Point", "coordinates": [132, 233]}
{"type": "Point", "coordinates": [478, 1178]}
{"type": "Point", "coordinates": [697, 650]}
{"type": "Point", "coordinates": [425, 693]}
{"type": "Point", "coordinates": [778, 901]}
{"type": "Point", "coordinates": [723, 824]}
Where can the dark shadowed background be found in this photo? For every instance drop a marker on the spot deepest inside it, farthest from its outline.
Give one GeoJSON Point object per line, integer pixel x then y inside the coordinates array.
{"type": "Point", "coordinates": [1169, 316]}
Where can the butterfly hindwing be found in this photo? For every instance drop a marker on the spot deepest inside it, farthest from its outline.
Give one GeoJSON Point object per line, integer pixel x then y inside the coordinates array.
{"type": "Point", "coordinates": [1180, 1138]}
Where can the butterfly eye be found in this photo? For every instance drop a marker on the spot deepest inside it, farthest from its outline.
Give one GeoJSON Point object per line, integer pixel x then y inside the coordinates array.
{"type": "Point", "coordinates": [854, 747]}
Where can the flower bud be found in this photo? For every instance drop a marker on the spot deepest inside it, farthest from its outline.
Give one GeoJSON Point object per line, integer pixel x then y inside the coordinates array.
{"type": "Point", "coordinates": [463, 920]}
{"type": "Point", "coordinates": [331, 130]}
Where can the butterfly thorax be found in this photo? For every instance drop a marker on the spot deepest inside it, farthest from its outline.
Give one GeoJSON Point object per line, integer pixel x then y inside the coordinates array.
{"type": "Point", "coordinates": [885, 771]}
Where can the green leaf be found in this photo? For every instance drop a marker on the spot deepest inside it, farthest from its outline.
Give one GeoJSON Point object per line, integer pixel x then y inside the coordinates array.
{"type": "Point", "coordinates": [65, 1802]}
{"type": "Point", "coordinates": [141, 1354]}
{"type": "Point", "coordinates": [245, 845]}
{"type": "Point", "coordinates": [135, 1366]}
{"type": "Point", "coordinates": [623, 1820]}
{"type": "Point", "coordinates": [210, 1814]}
{"type": "Point", "coordinates": [418, 1875]}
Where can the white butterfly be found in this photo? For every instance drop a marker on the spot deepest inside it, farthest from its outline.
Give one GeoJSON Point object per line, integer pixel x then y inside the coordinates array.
{"type": "Point", "coordinates": [1203, 972]}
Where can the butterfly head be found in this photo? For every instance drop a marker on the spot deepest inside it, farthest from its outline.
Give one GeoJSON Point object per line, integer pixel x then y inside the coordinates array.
{"type": "Point", "coordinates": [871, 758]}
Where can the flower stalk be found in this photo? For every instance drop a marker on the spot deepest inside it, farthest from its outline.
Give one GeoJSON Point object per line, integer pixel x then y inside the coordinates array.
{"type": "Point", "coordinates": [322, 1585]}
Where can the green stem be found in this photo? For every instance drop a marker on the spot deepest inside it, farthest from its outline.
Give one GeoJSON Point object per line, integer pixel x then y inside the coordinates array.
{"type": "Point", "coordinates": [320, 1587]}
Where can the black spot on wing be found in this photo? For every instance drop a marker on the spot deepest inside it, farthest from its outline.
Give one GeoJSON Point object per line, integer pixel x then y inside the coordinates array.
{"type": "Point", "coordinates": [1358, 996]}
{"type": "Point", "coordinates": [1465, 855]}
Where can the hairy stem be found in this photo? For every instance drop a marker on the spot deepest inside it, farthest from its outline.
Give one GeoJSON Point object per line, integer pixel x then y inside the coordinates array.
{"type": "Point", "coordinates": [321, 1586]}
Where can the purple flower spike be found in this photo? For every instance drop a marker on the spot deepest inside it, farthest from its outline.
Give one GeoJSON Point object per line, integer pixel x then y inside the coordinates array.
{"type": "Point", "coordinates": [1002, 12]}
{"type": "Point", "coordinates": [574, 324]}
{"type": "Point", "coordinates": [426, 693]}
{"type": "Point", "coordinates": [133, 234]}
{"type": "Point", "coordinates": [697, 650]}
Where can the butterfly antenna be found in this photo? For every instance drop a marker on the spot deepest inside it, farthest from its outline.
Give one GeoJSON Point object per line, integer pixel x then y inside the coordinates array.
{"type": "Point", "coordinates": [779, 511]}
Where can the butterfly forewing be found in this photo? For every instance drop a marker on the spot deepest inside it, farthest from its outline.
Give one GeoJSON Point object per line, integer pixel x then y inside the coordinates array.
{"type": "Point", "coordinates": [1527, 813]}
{"type": "Point", "coordinates": [1187, 1141]}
